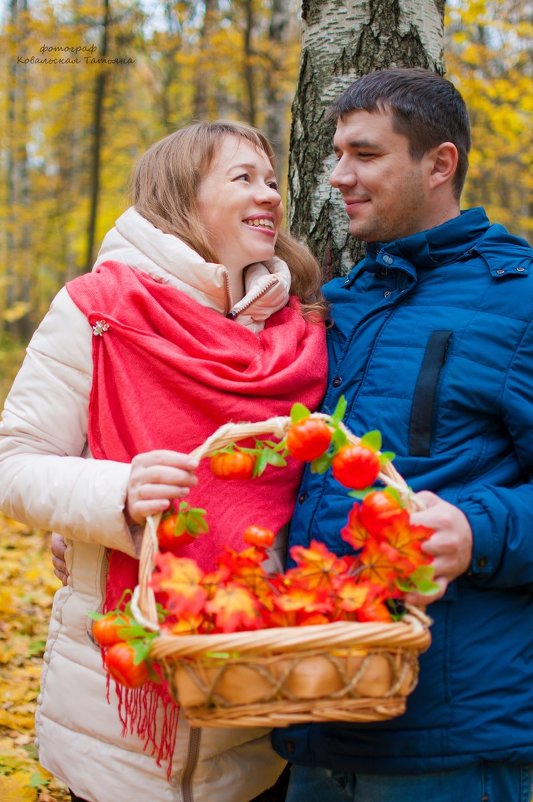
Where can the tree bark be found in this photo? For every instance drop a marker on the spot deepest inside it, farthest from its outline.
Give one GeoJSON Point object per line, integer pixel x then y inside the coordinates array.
{"type": "Point", "coordinates": [17, 302]}
{"type": "Point", "coordinates": [275, 99]}
{"type": "Point", "coordinates": [201, 86]}
{"type": "Point", "coordinates": [98, 135]}
{"type": "Point", "coordinates": [248, 68]}
{"type": "Point", "coordinates": [340, 43]}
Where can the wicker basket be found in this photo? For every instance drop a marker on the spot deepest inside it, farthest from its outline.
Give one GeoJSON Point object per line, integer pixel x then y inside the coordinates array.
{"type": "Point", "coordinates": [343, 671]}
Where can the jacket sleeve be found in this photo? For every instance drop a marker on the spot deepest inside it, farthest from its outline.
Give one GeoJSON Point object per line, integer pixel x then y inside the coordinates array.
{"type": "Point", "coordinates": [45, 481]}
{"type": "Point", "coordinates": [501, 517]}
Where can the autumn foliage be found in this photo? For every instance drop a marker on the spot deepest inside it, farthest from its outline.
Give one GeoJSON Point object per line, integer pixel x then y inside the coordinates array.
{"type": "Point", "coordinates": [368, 585]}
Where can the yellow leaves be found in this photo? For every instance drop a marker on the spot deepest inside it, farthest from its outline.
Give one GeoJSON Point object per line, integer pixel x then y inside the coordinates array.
{"type": "Point", "coordinates": [16, 721]}
{"type": "Point", "coordinates": [486, 56]}
{"type": "Point", "coordinates": [16, 311]}
{"type": "Point", "coordinates": [15, 788]}
{"type": "Point", "coordinates": [27, 585]}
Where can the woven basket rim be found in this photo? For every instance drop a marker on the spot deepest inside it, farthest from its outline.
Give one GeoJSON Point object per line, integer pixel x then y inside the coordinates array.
{"type": "Point", "coordinates": [409, 633]}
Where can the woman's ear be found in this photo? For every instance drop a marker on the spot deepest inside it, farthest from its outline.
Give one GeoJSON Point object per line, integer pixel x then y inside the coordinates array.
{"type": "Point", "coordinates": [444, 164]}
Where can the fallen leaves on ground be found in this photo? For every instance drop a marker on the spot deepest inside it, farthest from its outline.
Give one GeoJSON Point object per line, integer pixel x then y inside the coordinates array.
{"type": "Point", "coordinates": [27, 585]}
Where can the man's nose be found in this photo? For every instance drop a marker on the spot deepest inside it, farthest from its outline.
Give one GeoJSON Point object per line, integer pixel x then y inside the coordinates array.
{"type": "Point", "coordinates": [342, 175]}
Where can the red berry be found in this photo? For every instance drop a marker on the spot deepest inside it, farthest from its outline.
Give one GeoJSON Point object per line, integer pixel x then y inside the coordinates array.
{"type": "Point", "coordinates": [378, 509]}
{"type": "Point", "coordinates": [355, 466]}
{"type": "Point", "coordinates": [308, 439]}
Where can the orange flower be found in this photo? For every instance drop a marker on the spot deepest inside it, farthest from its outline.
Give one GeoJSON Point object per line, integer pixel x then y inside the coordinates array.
{"type": "Point", "coordinates": [376, 566]}
{"type": "Point", "coordinates": [350, 594]}
{"type": "Point", "coordinates": [234, 608]}
{"type": "Point", "coordinates": [374, 607]}
{"type": "Point", "coordinates": [187, 624]}
{"type": "Point", "coordinates": [354, 532]}
{"type": "Point", "coordinates": [245, 568]}
{"type": "Point", "coordinates": [402, 543]}
{"type": "Point", "coordinates": [178, 578]}
{"type": "Point", "coordinates": [316, 566]}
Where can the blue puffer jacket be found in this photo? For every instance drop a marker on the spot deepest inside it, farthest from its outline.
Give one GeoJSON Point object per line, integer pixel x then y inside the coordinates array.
{"type": "Point", "coordinates": [432, 343]}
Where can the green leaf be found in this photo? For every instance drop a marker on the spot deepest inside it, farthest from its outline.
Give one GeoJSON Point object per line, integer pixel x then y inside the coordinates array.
{"type": "Point", "coordinates": [372, 440]}
{"type": "Point", "coordinates": [339, 439]}
{"type": "Point", "coordinates": [260, 464]}
{"type": "Point", "coordinates": [299, 412]}
{"type": "Point", "coordinates": [339, 411]}
{"type": "Point", "coordinates": [321, 464]}
{"type": "Point", "coordinates": [420, 581]}
{"type": "Point", "coordinates": [36, 648]}
{"type": "Point", "coordinates": [141, 651]}
{"type": "Point", "coordinates": [276, 459]}
{"type": "Point", "coordinates": [360, 494]}
{"type": "Point", "coordinates": [391, 491]}
{"type": "Point", "coordinates": [385, 457]}
{"type": "Point", "coordinates": [38, 781]}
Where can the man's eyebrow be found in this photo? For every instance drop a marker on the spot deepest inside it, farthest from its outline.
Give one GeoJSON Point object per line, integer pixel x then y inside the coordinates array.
{"type": "Point", "coordinates": [357, 143]}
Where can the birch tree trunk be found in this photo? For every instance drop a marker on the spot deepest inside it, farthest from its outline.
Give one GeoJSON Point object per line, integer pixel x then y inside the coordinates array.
{"type": "Point", "coordinates": [340, 43]}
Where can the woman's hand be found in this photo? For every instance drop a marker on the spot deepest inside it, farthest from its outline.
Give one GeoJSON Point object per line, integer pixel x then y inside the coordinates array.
{"type": "Point", "coordinates": [58, 547]}
{"type": "Point", "coordinates": [157, 477]}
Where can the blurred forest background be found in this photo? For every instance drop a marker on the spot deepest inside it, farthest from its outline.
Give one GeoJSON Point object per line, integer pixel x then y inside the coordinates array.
{"type": "Point", "coordinates": [71, 132]}
{"type": "Point", "coordinates": [69, 135]}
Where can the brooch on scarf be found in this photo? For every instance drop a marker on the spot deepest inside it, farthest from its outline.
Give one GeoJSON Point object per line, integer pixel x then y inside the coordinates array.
{"type": "Point", "coordinates": [99, 327]}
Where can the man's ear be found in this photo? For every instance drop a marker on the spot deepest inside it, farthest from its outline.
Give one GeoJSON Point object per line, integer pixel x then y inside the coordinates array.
{"type": "Point", "coordinates": [444, 164]}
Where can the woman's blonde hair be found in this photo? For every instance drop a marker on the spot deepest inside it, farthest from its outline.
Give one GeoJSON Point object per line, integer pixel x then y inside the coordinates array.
{"type": "Point", "coordinates": [164, 190]}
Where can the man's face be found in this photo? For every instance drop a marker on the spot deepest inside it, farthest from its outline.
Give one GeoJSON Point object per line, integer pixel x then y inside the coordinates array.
{"type": "Point", "coordinates": [385, 190]}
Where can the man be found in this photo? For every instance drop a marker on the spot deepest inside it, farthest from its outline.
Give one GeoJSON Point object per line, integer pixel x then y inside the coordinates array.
{"type": "Point", "coordinates": [432, 343]}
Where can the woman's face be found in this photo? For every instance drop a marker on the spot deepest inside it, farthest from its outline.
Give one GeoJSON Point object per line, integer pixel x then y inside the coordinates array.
{"type": "Point", "coordinates": [239, 203]}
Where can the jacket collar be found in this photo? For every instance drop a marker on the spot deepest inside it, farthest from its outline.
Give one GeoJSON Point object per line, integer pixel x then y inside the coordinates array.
{"type": "Point", "coordinates": [436, 246]}
{"type": "Point", "coordinates": [164, 257]}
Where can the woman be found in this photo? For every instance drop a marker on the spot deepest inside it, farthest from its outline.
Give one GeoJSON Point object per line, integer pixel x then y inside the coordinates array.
{"type": "Point", "coordinates": [185, 323]}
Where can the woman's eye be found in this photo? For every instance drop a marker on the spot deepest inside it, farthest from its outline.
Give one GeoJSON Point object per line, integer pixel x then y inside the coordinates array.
{"type": "Point", "coordinates": [273, 185]}
{"type": "Point", "coordinates": [242, 177]}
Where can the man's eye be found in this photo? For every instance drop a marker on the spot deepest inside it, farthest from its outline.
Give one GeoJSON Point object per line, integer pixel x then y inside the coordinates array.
{"type": "Point", "coordinates": [365, 155]}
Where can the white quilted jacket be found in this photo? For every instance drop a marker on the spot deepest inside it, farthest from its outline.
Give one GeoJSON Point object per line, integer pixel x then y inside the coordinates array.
{"type": "Point", "coordinates": [48, 480]}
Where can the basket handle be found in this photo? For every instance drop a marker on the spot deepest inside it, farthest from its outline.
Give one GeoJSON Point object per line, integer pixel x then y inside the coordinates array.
{"type": "Point", "coordinates": [143, 600]}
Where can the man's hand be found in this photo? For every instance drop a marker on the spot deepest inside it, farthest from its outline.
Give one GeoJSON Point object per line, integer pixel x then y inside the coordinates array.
{"type": "Point", "coordinates": [58, 548]}
{"type": "Point", "coordinates": [450, 545]}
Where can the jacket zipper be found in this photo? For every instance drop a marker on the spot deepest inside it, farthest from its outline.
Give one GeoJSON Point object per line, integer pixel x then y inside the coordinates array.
{"type": "Point", "coordinates": [190, 764]}
{"type": "Point", "coordinates": [227, 304]}
{"type": "Point", "coordinates": [238, 310]}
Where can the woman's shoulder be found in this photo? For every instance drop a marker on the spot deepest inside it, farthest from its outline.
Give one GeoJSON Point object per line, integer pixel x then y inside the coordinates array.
{"type": "Point", "coordinates": [64, 334]}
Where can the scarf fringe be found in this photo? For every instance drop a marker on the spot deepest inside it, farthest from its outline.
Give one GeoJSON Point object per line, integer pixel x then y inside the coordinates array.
{"type": "Point", "coordinates": [150, 713]}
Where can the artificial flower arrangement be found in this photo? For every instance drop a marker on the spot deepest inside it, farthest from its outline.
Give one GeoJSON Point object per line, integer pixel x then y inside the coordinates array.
{"type": "Point", "coordinates": [330, 637]}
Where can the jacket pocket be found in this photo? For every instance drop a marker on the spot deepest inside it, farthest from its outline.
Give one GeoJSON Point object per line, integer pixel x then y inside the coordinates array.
{"type": "Point", "coordinates": [425, 394]}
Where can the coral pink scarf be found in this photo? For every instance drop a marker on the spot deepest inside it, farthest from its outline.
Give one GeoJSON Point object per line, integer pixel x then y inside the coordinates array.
{"type": "Point", "coordinates": [168, 372]}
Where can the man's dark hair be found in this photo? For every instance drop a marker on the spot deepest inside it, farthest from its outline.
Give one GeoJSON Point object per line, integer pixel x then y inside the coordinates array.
{"type": "Point", "coordinates": [426, 108]}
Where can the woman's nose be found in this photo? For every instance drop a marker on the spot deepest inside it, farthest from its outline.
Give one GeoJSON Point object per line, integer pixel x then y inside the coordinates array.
{"type": "Point", "coordinates": [270, 195]}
